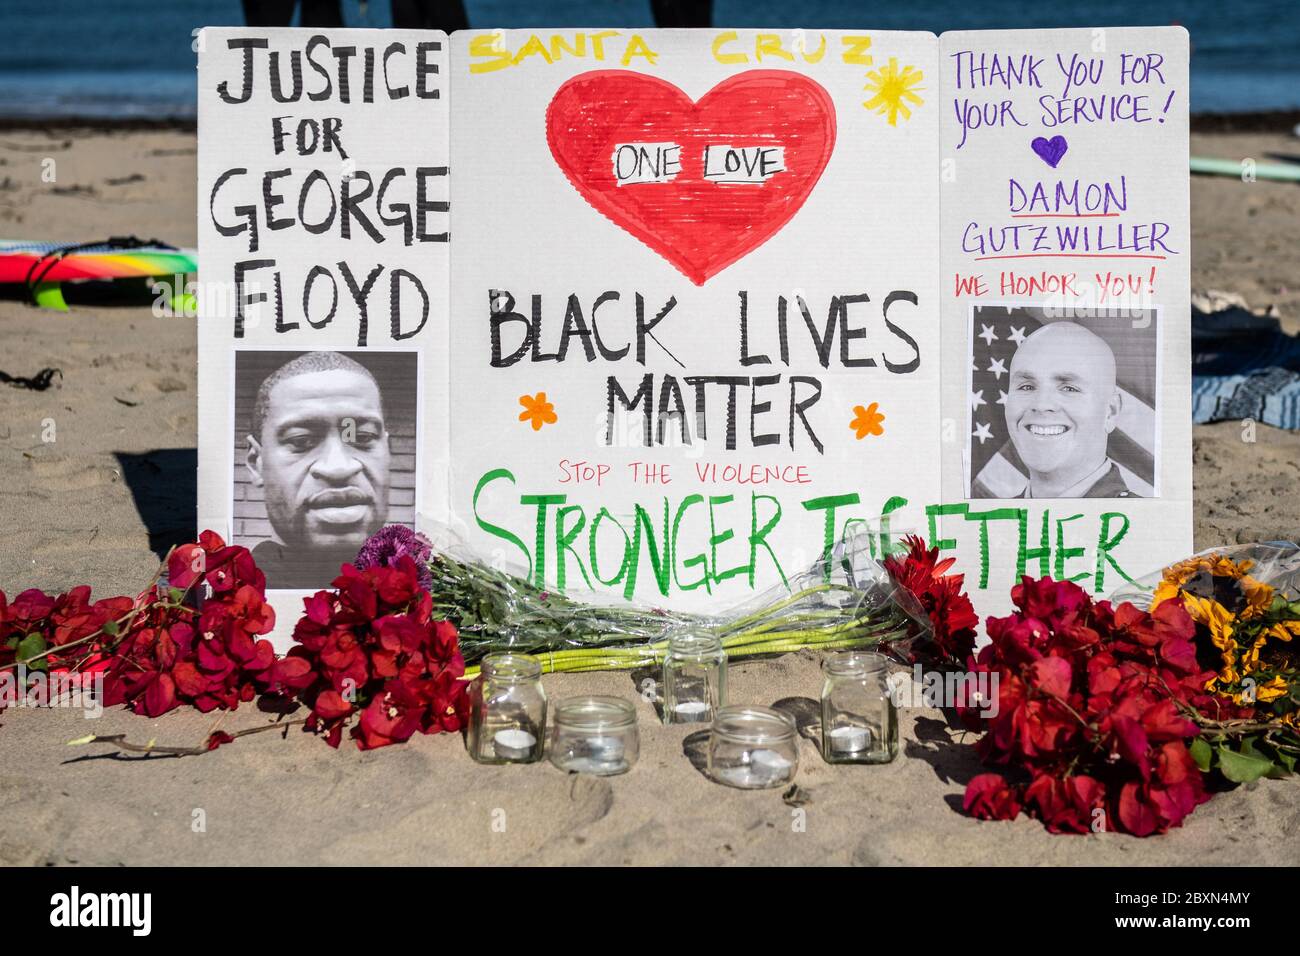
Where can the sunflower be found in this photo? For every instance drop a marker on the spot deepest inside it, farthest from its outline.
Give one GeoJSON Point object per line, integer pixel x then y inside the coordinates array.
{"type": "Point", "coordinates": [1240, 615]}
{"type": "Point", "coordinates": [1284, 630]}
{"type": "Point", "coordinates": [1179, 576]}
{"type": "Point", "coordinates": [1229, 604]}
{"type": "Point", "coordinates": [1272, 690]}
{"type": "Point", "coordinates": [1259, 597]}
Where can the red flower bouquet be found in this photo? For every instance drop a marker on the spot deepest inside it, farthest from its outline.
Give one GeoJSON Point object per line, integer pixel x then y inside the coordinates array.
{"type": "Point", "coordinates": [156, 651]}
{"type": "Point", "coordinates": [44, 631]}
{"type": "Point", "coordinates": [952, 616]}
{"type": "Point", "coordinates": [173, 654]}
{"type": "Point", "coordinates": [1092, 715]}
{"type": "Point", "coordinates": [371, 653]}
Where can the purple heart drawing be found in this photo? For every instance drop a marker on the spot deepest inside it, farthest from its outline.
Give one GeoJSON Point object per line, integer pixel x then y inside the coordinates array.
{"type": "Point", "coordinates": [1051, 150]}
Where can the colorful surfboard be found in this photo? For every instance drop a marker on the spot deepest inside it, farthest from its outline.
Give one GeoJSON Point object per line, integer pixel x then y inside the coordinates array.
{"type": "Point", "coordinates": [44, 266]}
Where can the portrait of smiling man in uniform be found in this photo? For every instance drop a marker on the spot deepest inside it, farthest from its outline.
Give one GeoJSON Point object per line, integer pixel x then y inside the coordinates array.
{"type": "Point", "coordinates": [1062, 404]}
{"type": "Point", "coordinates": [318, 449]}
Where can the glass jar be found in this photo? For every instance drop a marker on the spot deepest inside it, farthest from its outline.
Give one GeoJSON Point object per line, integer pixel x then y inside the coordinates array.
{"type": "Point", "coordinates": [859, 721]}
{"type": "Point", "coordinates": [753, 748]}
{"type": "Point", "coordinates": [695, 678]}
{"type": "Point", "coordinates": [507, 710]}
{"type": "Point", "coordinates": [594, 735]}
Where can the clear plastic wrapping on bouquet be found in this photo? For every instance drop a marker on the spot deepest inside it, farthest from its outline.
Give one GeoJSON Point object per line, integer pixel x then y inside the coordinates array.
{"type": "Point", "coordinates": [846, 599]}
{"type": "Point", "coordinates": [1275, 563]}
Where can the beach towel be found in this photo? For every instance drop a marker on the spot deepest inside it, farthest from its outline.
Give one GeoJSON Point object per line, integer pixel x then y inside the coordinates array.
{"type": "Point", "coordinates": [1244, 366]}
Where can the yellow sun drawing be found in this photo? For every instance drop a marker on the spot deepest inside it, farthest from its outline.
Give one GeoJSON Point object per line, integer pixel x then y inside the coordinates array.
{"type": "Point", "coordinates": [892, 90]}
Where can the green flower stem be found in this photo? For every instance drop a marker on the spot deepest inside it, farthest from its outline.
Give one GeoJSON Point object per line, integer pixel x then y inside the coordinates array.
{"type": "Point", "coordinates": [812, 617]}
{"type": "Point", "coordinates": [496, 611]}
{"type": "Point", "coordinates": [631, 661]}
{"type": "Point", "coordinates": [784, 647]}
{"type": "Point", "coordinates": [742, 623]}
{"type": "Point", "coordinates": [740, 640]}
{"type": "Point", "coordinates": [585, 660]}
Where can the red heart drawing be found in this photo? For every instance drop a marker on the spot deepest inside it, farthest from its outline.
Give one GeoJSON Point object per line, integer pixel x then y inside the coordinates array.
{"type": "Point", "coordinates": [699, 225]}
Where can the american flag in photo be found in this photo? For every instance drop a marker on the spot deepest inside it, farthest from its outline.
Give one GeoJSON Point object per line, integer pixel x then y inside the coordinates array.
{"type": "Point", "coordinates": [994, 463]}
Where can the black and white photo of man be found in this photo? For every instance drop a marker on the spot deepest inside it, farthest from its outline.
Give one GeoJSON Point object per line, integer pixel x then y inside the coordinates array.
{"type": "Point", "coordinates": [318, 451]}
{"type": "Point", "coordinates": [1065, 412]}
{"type": "Point", "coordinates": [1061, 408]}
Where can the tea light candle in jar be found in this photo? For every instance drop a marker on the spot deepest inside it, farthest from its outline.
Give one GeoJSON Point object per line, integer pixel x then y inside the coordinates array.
{"type": "Point", "coordinates": [692, 710]}
{"type": "Point", "coordinates": [752, 748]}
{"type": "Point", "coordinates": [513, 744]}
{"type": "Point", "coordinates": [605, 751]}
{"type": "Point", "coordinates": [695, 678]}
{"type": "Point", "coordinates": [594, 735]}
{"type": "Point", "coordinates": [507, 710]}
{"type": "Point", "coordinates": [859, 721]}
{"type": "Point", "coordinates": [764, 768]}
{"type": "Point", "coordinates": [849, 739]}
{"type": "Point", "coordinates": [769, 768]}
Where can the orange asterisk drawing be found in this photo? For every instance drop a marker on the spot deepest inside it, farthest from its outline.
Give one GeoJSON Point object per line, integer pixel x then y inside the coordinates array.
{"type": "Point", "coordinates": [866, 421]}
{"type": "Point", "coordinates": [537, 411]}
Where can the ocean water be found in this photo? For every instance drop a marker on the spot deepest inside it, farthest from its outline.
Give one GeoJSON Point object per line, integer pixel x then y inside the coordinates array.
{"type": "Point", "coordinates": [134, 58]}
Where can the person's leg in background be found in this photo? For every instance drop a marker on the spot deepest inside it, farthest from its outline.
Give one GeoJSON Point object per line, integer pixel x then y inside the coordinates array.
{"type": "Point", "coordinates": [321, 13]}
{"type": "Point", "coordinates": [682, 13]}
{"type": "Point", "coordinates": [268, 13]}
{"type": "Point", "coordinates": [445, 15]}
{"type": "Point", "coordinates": [279, 13]}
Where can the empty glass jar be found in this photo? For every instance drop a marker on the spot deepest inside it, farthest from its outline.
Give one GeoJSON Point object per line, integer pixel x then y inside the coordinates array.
{"type": "Point", "coordinates": [507, 710]}
{"type": "Point", "coordinates": [695, 678]}
{"type": "Point", "coordinates": [753, 748]}
{"type": "Point", "coordinates": [594, 735]}
{"type": "Point", "coordinates": [859, 720]}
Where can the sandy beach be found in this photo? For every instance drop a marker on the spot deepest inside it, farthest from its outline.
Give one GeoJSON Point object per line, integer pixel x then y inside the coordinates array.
{"type": "Point", "coordinates": [115, 488]}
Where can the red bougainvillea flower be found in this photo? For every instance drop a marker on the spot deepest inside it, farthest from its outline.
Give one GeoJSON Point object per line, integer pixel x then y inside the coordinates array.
{"type": "Point", "coordinates": [952, 616]}
{"type": "Point", "coordinates": [1093, 705]}
{"type": "Point", "coordinates": [1071, 804]}
{"type": "Point", "coordinates": [55, 631]}
{"type": "Point", "coordinates": [220, 566]}
{"type": "Point", "coordinates": [396, 712]}
{"type": "Point", "coordinates": [210, 658]}
{"type": "Point", "coordinates": [370, 655]}
{"type": "Point", "coordinates": [990, 797]}
{"type": "Point", "coordinates": [217, 738]}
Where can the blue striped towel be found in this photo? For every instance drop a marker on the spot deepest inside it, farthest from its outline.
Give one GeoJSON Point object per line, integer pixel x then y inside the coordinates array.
{"type": "Point", "coordinates": [1244, 366]}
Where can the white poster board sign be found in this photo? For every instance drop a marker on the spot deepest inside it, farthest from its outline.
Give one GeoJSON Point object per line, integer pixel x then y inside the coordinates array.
{"type": "Point", "coordinates": [1066, 313]}
{"type": "Point", "coordinates": [323, 246]}
{"type": "Point", "coordinates": [716, 266]}
{"type": "Point", "coordinates": [666, 314]}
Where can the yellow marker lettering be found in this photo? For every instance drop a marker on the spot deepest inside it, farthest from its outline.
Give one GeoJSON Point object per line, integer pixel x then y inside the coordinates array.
{"type": "Point", "coordinates": [598, 42]}
{"type": "Point", "coordinates": [485, 45]}
{"type": "Point", "coordinates": [637, 47]}
{"type": "Point", "coordinates": [559, 46]}
{"type": "Point", "coordinates": [814, 57]}
{"type": "Point", "coordinates": [533, 47]}
{"type": "Point", "coordinates": [769, 44]}
{"type": "Point", "coordinates": [857, 50]}
{"type": "Point", "coordinates": [723, 38]}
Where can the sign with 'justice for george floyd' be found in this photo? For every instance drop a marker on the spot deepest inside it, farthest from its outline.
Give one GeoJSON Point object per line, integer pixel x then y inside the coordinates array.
{"type": "Point", "coordinates": [668, 314]}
